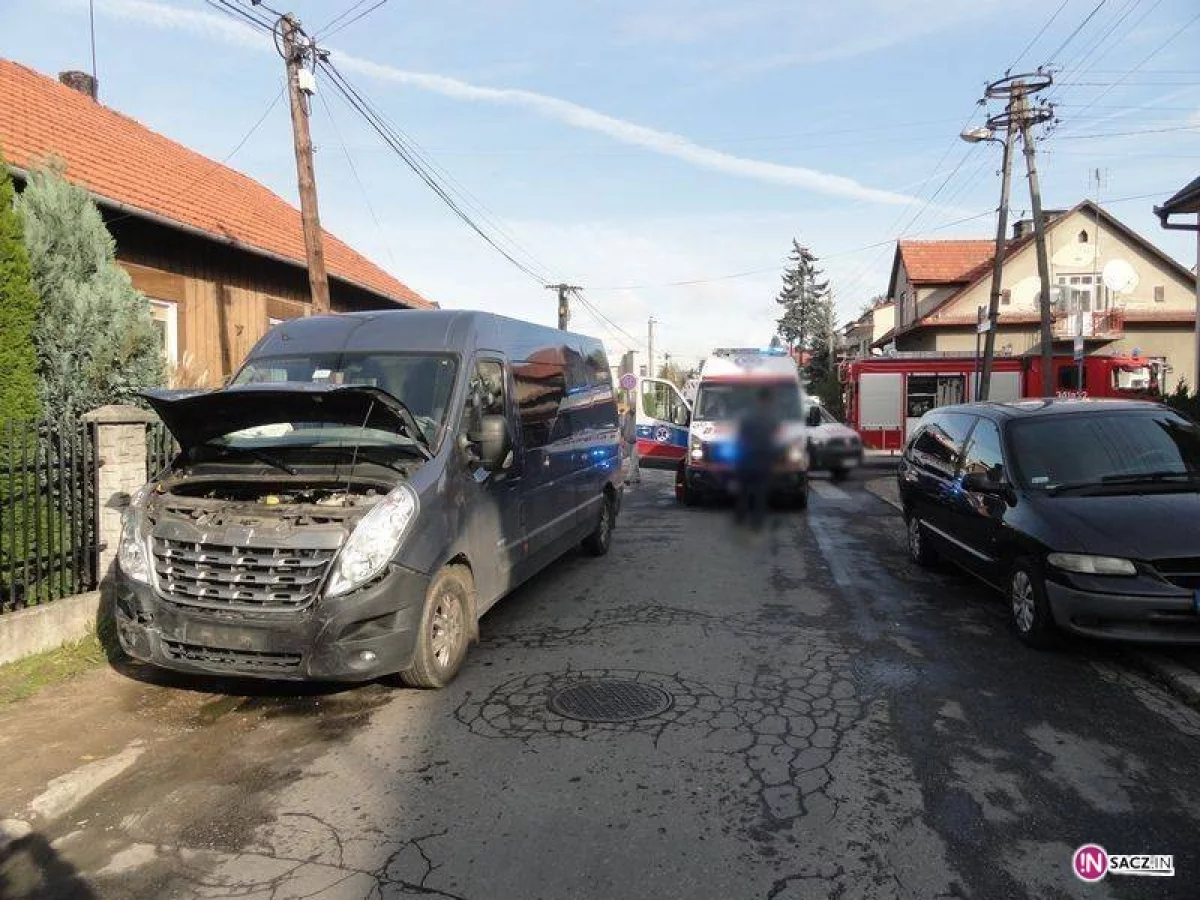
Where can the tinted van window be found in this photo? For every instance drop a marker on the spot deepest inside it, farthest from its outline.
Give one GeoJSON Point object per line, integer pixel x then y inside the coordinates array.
{"type": "Point", "coordinates": [1086, 449]}
{"type": "Point", "coordinates": [939, 444]}
{"type": "Point", "coordinates": [540, 391]}
{"type": "Point", "coordinates": [983, 455]}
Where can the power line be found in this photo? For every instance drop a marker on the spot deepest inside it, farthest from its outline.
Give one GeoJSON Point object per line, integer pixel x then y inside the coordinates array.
{"type": "Point", "coordinates": [216, 165]}
{"type": "Point", "coordinates": [1108, 134]}
{"type": "Point", "coordinates": [345, 12]}
{"type": "Point", "coordinates": [361, 187]}
{"type": "Point", "coordinates": [348, 23]}
{"type": "Point", "coordinates": [393, 140]}
{"type": "Point", "coordinates": [1153, 53]}
{"type": "Point", "coordinates": [241, 13]}
{"type": "Point", "coordinates": [748, 273]}
{"type": "Point", "coordinates": [1034, 39]}
{"type": "Point", "coordinates": [1078, 28]}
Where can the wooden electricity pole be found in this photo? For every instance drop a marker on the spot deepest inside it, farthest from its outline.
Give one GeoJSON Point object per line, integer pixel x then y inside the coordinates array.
{"type": "Point", "coordinates": [993, 308]}
{"type": "Point", "coordinates": [564, 302]}
{"type": "Point", "coordinates": [1043, 260]}
{"type": "Point", "coordinates": [293, 57]}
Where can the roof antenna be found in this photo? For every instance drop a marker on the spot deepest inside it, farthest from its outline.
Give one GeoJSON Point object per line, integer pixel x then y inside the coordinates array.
{"type": "Point", "coordinates": [92, 27]}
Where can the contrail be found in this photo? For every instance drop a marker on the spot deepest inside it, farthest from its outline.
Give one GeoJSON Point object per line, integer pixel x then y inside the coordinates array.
{"type": "Point", "coordinates": [161, 15]}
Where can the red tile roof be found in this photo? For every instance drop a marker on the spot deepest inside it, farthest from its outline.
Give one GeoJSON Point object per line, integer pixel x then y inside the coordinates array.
{"type": "Point", "coordinates": [944, 262]}
{"type": "Point", "coordinates": [118, 159]}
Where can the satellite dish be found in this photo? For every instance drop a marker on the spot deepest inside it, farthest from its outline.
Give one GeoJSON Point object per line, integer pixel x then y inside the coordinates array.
{"type": "Point", "coordinates": [1119, 277]}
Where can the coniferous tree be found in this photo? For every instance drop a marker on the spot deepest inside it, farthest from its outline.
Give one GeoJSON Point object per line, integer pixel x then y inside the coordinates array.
{"type": "Point", "coordinates": [803, 286]}
{"type": "Point", "coordinates": [18, 314]}
{"type": "Point", "coordinates": [96, 341]}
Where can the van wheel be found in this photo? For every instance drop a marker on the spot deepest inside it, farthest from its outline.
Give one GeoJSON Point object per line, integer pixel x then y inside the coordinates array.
{"type": "Point", "coordinates": [445, 630]}
{"type": "Point", "coordinates": [800, 500]}
{"type": "Point", "coordinates": [598, 542]}
{"type": "Point", "coordinates": [839, 474]}
{"type": "Point", "coordinates": [683, 493]}
{"type": "Point", "coordinates": [919, 550]}
{"type": "Point", "coordinates": [1031, 615]}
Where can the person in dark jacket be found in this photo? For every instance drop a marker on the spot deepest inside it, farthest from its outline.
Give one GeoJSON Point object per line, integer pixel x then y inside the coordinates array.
{"type": "Point", "coordinates": [756, 453]}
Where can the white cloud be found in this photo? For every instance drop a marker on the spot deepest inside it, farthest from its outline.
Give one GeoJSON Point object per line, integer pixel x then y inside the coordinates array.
{"type": "Point", "coordinates": [564, 111]}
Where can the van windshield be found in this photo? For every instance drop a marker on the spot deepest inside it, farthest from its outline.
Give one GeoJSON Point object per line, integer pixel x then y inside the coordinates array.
{"type": "Point", "coordinates": [421, 381]}
{"type": "Point", "coordinates": [715, 402]}
{"type": "Point", "coordinates": [1112, 449]}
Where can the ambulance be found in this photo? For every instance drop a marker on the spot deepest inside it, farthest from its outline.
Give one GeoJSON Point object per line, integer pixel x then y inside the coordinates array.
{"type": "Point", "coordinates": [729, 385]}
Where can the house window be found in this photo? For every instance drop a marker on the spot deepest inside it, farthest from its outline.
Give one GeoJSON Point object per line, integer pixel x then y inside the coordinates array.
{"type": "Point", "coordinates": [1083, 292]}
{"type": "Point", "coordinates": [1160, 293]}
{"type": "Point", "coordinates": [166, 321]}
{"type": "Point", "coordinates": [1083, 237]}
{"type": "Point", "coordinates": [1005, 297]}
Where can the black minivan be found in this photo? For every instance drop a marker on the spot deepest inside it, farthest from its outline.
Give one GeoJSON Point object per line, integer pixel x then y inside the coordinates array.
{"type": "Point", "coordinates": [364, 490]}
{"type": "Point", "coordinates": [1085, 513]}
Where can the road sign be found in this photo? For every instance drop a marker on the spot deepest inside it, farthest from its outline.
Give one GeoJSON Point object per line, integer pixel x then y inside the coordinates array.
{"type": "Point", "coordinates": [1078, 347]}
{"type": "Point", "coordinates": [628, 381]}
{"type": "Point", "coordinates": [984, 323]}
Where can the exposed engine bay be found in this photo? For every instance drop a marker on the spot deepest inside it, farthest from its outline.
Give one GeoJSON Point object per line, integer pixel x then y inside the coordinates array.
{"type": "Point", "coordinates": [283, 494]}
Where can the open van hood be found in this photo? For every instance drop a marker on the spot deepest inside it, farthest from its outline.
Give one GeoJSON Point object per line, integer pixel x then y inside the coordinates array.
{"type": "Point", "coordinates": [195, 417]}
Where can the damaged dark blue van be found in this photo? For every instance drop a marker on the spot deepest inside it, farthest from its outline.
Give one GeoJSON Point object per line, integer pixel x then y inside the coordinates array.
{"type": "Point", "coordinates": [363, 491]}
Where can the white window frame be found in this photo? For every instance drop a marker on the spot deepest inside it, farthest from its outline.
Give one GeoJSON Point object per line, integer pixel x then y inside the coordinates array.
{"type": "Point", "coordinates": [1078, 286]}
{"type": "Point", "coordinates": [169, 310]}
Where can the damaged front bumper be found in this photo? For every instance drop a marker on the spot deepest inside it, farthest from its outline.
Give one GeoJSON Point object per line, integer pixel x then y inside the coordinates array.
{"type": "Point", "coordinates": [360, 636]}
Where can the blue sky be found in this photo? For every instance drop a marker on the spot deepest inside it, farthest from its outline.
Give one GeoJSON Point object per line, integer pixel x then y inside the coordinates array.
{"type": "Point", "coordinates": [642, 143]}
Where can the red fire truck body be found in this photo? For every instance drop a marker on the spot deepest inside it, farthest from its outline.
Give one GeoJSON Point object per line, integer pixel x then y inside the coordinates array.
{"type": "Point", "coordinates": [886, 395]}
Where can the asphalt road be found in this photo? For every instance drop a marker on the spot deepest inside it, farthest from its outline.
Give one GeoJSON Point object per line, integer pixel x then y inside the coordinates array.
{"type": "Point", "coordinates": [840, 725]}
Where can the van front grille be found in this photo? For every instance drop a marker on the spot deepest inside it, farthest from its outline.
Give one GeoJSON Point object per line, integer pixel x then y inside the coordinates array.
{"type": "Point", "coordinates": [246, 579]}
{"type": "Point", "coordinates": [1183, 571]}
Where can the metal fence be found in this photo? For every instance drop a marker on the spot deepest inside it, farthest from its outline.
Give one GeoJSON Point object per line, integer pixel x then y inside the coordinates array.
{"type": "Point", "coordinates": [49, 542]}
{"type": "Point", "coordinates": [160, 449]}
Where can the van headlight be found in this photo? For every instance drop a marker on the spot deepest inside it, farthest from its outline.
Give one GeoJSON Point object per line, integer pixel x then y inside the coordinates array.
{"type": "Point", "coordinates": [1091, 565]}
{"type": "Point", "coordinates": [132, 555]}
{"type": "Point", "coordinates": [374, 541]}
{"type": "Point", "coordinates": [796, 455]}
{"type": "Point", "coordinates": [697, 447]}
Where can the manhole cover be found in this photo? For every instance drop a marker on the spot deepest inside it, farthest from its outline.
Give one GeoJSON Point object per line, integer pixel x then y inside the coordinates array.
{"type": "Point", "coordinates": [609, 700]}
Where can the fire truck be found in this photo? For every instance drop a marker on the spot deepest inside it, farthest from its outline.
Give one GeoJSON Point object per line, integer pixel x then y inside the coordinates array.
{"type": "Point", "coordinates": [886, 395]}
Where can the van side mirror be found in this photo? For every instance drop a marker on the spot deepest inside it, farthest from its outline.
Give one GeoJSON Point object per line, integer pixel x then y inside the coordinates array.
{"type": "Point", "coordinates": [492, 442]}
{"type": "Point", "coordinates": [991, 483]}
{"type": "Point", "coordinates": [682, 417]}
{"type": "Point", "coordinates": [813, 419]}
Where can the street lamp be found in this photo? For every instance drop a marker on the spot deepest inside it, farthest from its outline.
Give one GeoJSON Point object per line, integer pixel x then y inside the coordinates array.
{"type": "Point", "coordinates": [979, 133]}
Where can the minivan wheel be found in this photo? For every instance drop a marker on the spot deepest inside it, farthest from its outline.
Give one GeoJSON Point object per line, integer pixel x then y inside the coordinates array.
{"type": "Point", "coordinates": [445, 630]}
{"type": "Point", "coordinates": [598, 542]}
{"type": "Point", "coordinates": [919, 550]}
{"type": "Point", "coordinates": [1031, 615]}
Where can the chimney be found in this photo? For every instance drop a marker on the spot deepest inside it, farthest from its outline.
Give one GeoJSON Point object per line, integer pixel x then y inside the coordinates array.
{"type": "Point", "coordinates": [1023, 227]}
{"type": "Point", "coordinates": [80, 81]}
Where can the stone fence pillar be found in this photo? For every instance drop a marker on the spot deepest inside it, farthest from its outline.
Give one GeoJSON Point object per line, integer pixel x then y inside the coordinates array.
{"type": "Point", "coordinates": [121, 455]}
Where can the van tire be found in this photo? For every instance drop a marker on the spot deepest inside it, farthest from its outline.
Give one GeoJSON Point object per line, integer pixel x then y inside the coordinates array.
{"type": "Point", "coordinates": [600, 540]}
{"type": "Point", "coordinates": [683, 491]}
{"type": "Point", "coordinates": [839, 473]}
{"type": "Point", "coordinates": [445, 629]}
{"type": "Point", "coordinates": [919, 550]}
{"type": "Point", "coordinates": [1029, 607]}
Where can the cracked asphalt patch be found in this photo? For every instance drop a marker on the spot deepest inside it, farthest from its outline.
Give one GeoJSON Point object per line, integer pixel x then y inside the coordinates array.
{"type": "Point", "coordinates": [843, 725]}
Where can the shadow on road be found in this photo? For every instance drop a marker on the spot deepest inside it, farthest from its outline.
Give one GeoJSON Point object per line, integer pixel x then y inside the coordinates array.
{"type": "Point", "coordinates": [31, 867]}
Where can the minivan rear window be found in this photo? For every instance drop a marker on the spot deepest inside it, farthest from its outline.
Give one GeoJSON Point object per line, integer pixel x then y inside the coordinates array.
{"type": "Point", "coordinates": [1052, 452]}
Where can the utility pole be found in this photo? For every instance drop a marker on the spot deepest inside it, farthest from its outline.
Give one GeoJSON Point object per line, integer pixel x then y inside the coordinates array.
{"type": "Point", "coordinates": [564, 302]}
{"type": "Point", "coordinates": [1017, 116]}
{"type": "Point", "coordinates": [293, 57]}
{"type": "Point", "coordinates": [650, 348]}
{"type": "Point", "coordinates": [1043, 259]}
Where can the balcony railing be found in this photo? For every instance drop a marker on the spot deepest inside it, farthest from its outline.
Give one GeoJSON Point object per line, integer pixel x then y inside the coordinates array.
{"type": "Point", "coordinates": [1103, 325]}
